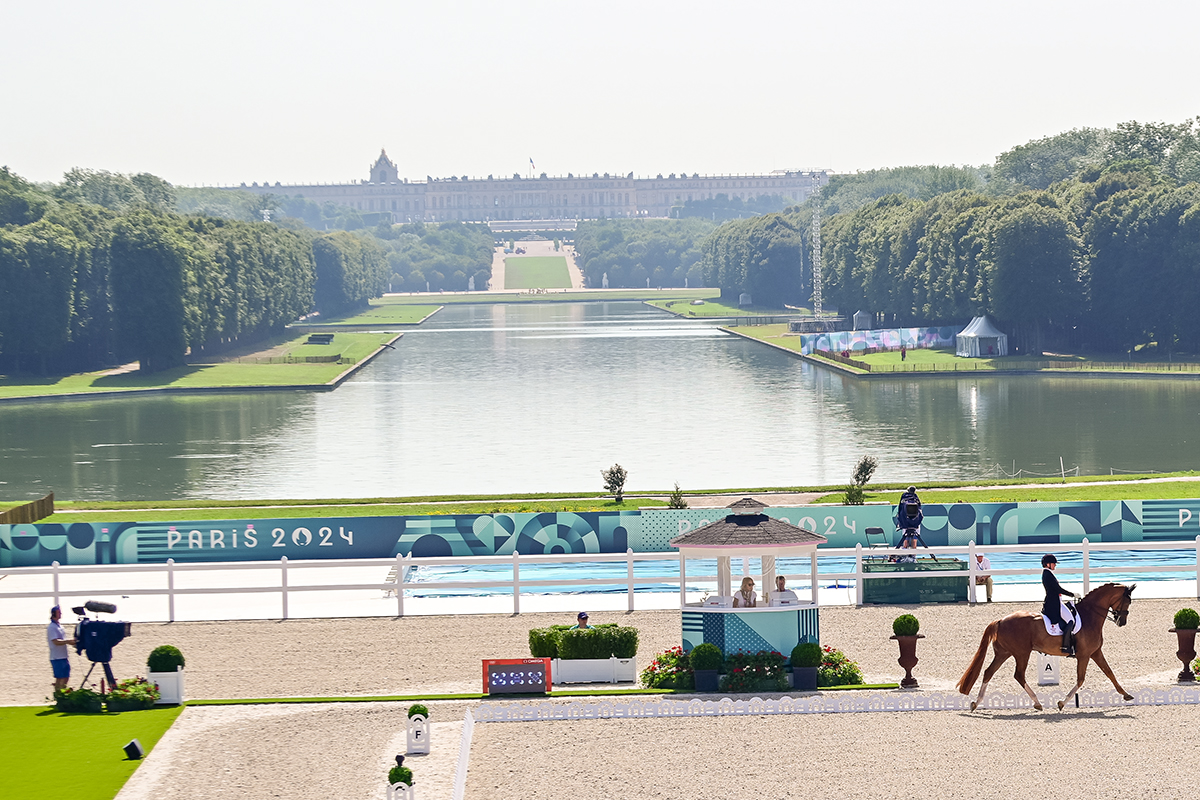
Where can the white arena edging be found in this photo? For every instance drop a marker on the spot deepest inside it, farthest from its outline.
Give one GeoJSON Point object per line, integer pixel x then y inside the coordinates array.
{"type": "Point", "coordinates": [941, 701]}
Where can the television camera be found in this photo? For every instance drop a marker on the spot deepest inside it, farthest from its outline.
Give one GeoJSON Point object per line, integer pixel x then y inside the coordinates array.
{"type": "Point", "coordinates": [97, 637]}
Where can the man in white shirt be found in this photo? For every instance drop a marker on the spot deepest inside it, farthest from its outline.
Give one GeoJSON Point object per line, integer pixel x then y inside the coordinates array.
{"type": "Point", "coordinates": [982, 562]}
{"type": "Point", "coordinates": [56, 637]}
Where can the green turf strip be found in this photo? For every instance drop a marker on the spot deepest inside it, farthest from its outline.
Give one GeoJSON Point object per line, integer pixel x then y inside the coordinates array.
{"type": "Point", "coordinates": [536, 272]}
{"type": "Point", "coordinates": [46, 753]}
{"type": "Point", "coordinates": [421, 698]}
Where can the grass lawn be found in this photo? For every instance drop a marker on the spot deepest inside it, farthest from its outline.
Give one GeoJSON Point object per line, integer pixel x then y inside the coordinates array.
{"type": "Point", "coordinates": [351, 346]}
{"type": "Point", "coordinates": [715, 308]}
{"type": "Point", "coordinates": [1171, 490]}
{"type": "Point", "coordinates": [151, 512]}
{"type": "Point", "coordinates": [381, 313]}
{"type": "Point", "coordinates": [50, 754]}
{"type": "Point", "coordinates": [577, 296]}
{"type": "Point", "coordinates": [536, 272]}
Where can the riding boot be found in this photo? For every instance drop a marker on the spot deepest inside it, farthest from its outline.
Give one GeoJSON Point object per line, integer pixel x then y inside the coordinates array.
{"type": "Point", "coordinates": [1068, 640]}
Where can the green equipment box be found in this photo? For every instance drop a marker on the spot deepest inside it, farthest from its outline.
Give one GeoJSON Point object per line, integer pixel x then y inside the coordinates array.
{"type": "Point", "coordinates": [929, 588]}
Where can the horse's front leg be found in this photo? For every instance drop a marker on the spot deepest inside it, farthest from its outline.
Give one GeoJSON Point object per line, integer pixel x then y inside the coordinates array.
{"type": "Point", "coordinates": [1080, 671]}
{"type": "Point", "coordinates": [1102, 663]}
{"type": "Point", "coordinates": [1019, 674]}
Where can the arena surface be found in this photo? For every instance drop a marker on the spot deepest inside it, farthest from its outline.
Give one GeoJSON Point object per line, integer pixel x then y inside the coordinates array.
{"type": "Point", "coordinates": [343, 749]}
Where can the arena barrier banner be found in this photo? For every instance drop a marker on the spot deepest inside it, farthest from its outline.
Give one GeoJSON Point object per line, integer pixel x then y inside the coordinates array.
{"type": "Point", "coordinates": [645, 530]}
{"type": "Point", "coordinates": [881, 339]}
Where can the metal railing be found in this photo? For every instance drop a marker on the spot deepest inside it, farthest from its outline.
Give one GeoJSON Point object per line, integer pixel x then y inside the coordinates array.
{"type": "Point", "coordinates": [631, 581]}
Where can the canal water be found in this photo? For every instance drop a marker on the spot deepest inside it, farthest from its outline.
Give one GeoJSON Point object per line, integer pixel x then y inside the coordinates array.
{"type": "Point", "coordinates": [532, 398]}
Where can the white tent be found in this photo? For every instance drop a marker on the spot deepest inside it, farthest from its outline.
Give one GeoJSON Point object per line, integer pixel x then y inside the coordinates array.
{"type": "Point", "coordinates": [981, 339]}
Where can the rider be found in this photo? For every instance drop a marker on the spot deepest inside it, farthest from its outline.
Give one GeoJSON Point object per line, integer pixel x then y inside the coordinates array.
{"type": "Point", "coordinates": [1051, 606]}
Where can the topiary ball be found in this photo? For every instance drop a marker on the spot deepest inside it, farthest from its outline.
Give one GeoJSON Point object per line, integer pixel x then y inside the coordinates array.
{"type": "Point", "coordinates": [905, 625]}
{"type": "Point", "coordinates": [706, 656]}
{"type": "Point", "coordinates": [1187, 619]}
{"type": "Point", "coordinates": [807, 654]}
{"type": "Point", "coordinates": [400, 775]}
{"type": "Point", "coordinates": [164, 658]}
{"type": "Point", "coordinates": [417, 708]}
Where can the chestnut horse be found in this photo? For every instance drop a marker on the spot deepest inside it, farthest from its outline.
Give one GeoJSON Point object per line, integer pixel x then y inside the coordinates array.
{"type": "Point", "coordinates": [1019, 634]}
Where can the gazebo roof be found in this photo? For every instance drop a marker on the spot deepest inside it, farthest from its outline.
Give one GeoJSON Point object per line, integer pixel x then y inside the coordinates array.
{"type": "Point", "coordinates": [750, 532]}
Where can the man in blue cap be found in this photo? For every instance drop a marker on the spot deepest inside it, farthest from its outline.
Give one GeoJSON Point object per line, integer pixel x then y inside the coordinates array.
{"type": "Point", "coordinates": [56, 637]}
{"type": "Point", "coordinates": [582, 624]}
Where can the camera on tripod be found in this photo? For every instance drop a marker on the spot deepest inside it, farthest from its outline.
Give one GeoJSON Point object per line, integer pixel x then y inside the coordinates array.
{"type": "Point", "coordinates": [97, 637]}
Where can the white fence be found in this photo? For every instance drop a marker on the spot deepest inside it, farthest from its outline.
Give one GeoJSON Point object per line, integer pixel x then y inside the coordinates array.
{"type": "Point", "coordinates": [516, 585]}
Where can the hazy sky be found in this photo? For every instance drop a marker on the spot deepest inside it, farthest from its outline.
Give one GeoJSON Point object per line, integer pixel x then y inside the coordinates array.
{"type": "Point", "coordinates": [224, 92]}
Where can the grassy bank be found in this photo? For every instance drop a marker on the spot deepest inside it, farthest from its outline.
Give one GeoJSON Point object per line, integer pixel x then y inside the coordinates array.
{"type": "Point", "coordinates": [715, 308]}
{"type": "Point", "coordinates": [386, 314]}
{"type": "Point", "coordinates": [1168, 490]}
{"type": "Point", "coordinates": [267, 366]}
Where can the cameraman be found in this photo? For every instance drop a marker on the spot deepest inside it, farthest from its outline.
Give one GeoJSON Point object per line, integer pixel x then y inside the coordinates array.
{"type": "Point", "coordinates": [58, 641]}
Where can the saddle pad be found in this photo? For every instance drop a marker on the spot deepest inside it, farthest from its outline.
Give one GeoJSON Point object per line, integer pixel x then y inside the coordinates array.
{"type": "Point", "coordinates": [1053, 629]}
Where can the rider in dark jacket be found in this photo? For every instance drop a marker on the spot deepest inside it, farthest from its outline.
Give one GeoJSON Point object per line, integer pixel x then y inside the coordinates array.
{"type": "Point", "coordinates": [1051, 605]}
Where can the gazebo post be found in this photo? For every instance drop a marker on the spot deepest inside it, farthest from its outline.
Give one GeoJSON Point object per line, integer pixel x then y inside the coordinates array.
{"type": "Point", "coordinates": [768, 576]}
{"type": "Point", "coordinates": [682, 580]}
{"type": "Point", "coordinates": [724, 577]}
{"type": "Point", "coordinates": [813, 573]}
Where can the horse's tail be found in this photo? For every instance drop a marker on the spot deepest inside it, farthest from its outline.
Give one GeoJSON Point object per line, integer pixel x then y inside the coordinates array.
{"type": "Point", "coordinates": [972, 674]}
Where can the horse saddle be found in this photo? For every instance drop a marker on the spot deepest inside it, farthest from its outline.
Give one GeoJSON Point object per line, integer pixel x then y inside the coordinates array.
{"type": "Point", "coordinates": [1067, 612]}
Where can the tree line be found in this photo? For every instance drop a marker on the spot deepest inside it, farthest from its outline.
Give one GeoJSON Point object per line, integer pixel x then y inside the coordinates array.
{"type": "Point", "coordinates": [630, 252]}
{"type": "Point", "coordinates": [1089, 240]}
{"type": "Point", "coordinates": [99, 270]}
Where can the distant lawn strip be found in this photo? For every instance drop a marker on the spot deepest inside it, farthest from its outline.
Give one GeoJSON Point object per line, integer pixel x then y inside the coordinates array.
{"type": "Point", "coordinates": [1171, 490]}
{"type": "Point", "coordinates": [577, 296]}
{"type": "Point", "coordinates": [244, 372]}
{"type": "Point", "coordinates": [536, 272]}
{"type": "Point", "coordinates": [50, 754]}
{"type": "Point", "coordinates": [386, 314]}
{"type": "Point", "coordinates": [145, 514]}
{"type": "Point", "coordinates": [715, 308]}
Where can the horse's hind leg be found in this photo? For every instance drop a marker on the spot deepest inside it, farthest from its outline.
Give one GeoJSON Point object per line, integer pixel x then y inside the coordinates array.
{"type": "Point", "coordinates": [1102, 663]}
{"type": "Point", "coordinates": [1080, 672]}
{"type": "Point", "coordinates": [1022, 660]}
{"type": "Point", "coordinates": [1000, 656]}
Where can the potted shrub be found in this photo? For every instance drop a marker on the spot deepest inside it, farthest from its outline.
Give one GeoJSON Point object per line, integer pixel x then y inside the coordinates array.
{"type": "Point", "coordinates": [904, 630]}
{"type": "Point", "coordinates": [400, 773]}
{"type": "Point", "coordinates": [806, 661]}
{"type": "Point", "coordinates": [706, 661]}
{"type": "Point", "coordinates": [419, 740]}
{"type": "Point", "coordinates": [599, 654]}
{"type": "Point", "coordinates": [132, 694]}
{"type": "Point", "coordinates": [1186, 622]}
{"type": "Point", "coordinates": [81, 700]}
{"type": "Point", "coordinates": [165, 670]}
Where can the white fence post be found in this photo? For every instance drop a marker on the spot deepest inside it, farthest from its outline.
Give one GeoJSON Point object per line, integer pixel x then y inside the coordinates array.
{"type": "Point", "coordinates": [516, 582]}
{"type": "Point", "coordinates": [54, 567]}
{"type": "Point", "coordinates": [283, 582]}
{"type": "Point", "coordinates": [399, 585]}
{"type": "Point", "coordinates": [464, 757]}
{"type": "Point", "coordinates": [971, 573]}
{"type": "Point", "coordinates": [1087, 565]}
{"type": "Point", "coordinates": [683, 574]}
{"type": "Point", "coordinates": [629, 565]}
{"type": "Point", "coordinates": [858, 575]}
{"type": "Point", "coordinates": [171, 589]}
{"type": "Point", "coordinates": [813, 577]}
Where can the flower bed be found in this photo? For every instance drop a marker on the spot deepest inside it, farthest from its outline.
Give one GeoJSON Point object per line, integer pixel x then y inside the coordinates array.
{"type": "Point", "coordinates": [754, 672]}
{"type": "Point", "coordinates": [133, 694]}
{"type": "Point", "coordinates": [837, 669]}
{"type": "Point", "coordinates": [670, 669]}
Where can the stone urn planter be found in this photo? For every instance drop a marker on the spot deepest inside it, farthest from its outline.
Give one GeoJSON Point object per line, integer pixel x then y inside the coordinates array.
{"type": "Point", "coordinates": [1186, 652]}
{"type": "Point", "coordinates": [908, 658]}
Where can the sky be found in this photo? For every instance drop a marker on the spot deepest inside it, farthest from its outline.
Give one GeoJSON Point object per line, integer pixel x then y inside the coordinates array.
{"type": "Point", "coordinates": [218, 93]}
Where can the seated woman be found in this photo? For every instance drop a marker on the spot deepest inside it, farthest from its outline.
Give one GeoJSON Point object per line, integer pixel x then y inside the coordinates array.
{"type": "Point", "coordinates": [745, 597]}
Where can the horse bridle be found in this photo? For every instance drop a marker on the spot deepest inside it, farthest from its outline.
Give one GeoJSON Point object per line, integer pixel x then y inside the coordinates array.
{"type": "Point", "coordinates": [1122, 616]}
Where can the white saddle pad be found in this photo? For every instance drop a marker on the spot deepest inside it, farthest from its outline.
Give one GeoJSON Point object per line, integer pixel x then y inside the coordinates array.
{"type": "Point", "coordinates": [1053, 629]}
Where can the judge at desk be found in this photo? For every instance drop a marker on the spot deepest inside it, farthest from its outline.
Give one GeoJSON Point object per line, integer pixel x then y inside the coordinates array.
{"type": "Point", "coordinates": [782, 595]}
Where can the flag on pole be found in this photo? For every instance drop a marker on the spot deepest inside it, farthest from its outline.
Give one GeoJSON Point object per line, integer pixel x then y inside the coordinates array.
{"type": "Point", "coordinates": [531, 166]}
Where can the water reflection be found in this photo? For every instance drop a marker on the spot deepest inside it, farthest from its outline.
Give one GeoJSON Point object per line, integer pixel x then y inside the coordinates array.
{"type": "Point", "coordinates": [534, 398]}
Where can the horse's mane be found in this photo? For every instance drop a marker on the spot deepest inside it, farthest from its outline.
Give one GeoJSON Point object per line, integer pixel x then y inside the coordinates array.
{"type": "Point", "coordinates": [1094, 595]}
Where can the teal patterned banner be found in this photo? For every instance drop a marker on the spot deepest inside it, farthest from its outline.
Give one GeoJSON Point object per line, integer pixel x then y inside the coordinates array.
{"type": "Point", "coordinates": [645, 530]}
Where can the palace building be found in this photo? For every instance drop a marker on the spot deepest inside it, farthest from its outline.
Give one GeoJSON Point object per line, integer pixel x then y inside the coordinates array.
{"type": "Point", "coordinates": [543, 198]}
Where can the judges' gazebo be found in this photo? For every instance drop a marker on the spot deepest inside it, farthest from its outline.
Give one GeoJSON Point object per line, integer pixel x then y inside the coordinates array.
{"type": "Point", "coordinates": [778, 622]}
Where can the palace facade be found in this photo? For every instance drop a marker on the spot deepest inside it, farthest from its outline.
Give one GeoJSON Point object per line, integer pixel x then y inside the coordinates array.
{"type": "Point", "coordinates": [516, 198]}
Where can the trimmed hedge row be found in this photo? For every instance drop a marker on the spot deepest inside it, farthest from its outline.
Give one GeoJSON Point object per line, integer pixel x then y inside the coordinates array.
{"type": "Point", "coordinates": [598, 641]}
